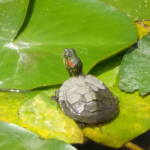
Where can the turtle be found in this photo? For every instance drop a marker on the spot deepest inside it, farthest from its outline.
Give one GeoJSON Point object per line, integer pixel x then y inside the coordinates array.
{"type": "Point", "coordinates": [84, 98]}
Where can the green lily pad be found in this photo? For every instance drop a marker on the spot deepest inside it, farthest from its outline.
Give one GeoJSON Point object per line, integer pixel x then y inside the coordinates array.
{"type": "Point", "coordinates": [18, 138]}
{"type": "Point", "coordinates": [45, 115]}
{"type": "Point", "coordinates": [12, 16]}
{"type": "Point", "coordinates": [136, 10]}
{"type": "Point", "coordinates": [134, 72]}
{"type": "Point", "coordinates": [96, 30]}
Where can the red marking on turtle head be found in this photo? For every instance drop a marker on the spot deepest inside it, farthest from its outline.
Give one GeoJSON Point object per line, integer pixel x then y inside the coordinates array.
{"type": "Point", "coordinates": [70, 63]}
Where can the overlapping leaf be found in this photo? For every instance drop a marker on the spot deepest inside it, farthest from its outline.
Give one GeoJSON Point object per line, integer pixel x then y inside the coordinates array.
{"type": "Point", "coordinates": [13, 13]}
{"type": "Point", "coordinates": [134, 72]}
{"type": "Point", "coordinates": [18, 138]}
{"type": "Point", "coordinates": [143, 28]}
{"type": "Point", "coordinates": [96, 30]}
{"type": "Point", "coordinates": [39, 114]}
{"type": "Point", "coordinates": [46, 117]}
{"type": "Point", "coordinates": [136, 10]}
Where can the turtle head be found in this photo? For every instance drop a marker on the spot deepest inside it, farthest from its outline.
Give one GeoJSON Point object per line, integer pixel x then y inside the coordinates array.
{"type": "Point", "coordinates": [72, 62]}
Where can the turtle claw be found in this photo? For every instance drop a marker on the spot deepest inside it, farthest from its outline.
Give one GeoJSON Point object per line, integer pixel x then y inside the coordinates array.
{"type": "Point", "coordinates": [100, 127]}
{"type": "Point", "coordinates": [80, 124]}
{"type": "Point", "coordinates": [55, 98]}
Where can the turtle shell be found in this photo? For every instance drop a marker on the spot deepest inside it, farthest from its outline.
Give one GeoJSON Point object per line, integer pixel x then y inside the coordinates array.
{"type": "Point", "coordinates": [87, 99]}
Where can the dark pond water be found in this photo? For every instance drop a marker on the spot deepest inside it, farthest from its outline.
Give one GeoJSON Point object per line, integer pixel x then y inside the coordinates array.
{"type": "Point", "coordinates": [143, 141]}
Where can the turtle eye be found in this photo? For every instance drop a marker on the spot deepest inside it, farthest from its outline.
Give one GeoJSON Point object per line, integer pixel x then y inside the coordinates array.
{"type": "Point", "coordinates": [66, 54]}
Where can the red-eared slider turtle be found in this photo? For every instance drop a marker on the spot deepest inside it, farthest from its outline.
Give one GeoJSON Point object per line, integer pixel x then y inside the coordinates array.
{"type": "Point", "coordinates": [84, 98]}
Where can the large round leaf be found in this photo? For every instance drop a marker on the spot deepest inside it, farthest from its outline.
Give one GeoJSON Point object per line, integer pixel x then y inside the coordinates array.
{"type": "Point", "coordinates": [136, 10]}
{"type": "Point", "coordinates": [18, 138]}
{"type": "Point", "coordinates": [12, 16]}
{"type": "Point", "coordinates": [96, 30]}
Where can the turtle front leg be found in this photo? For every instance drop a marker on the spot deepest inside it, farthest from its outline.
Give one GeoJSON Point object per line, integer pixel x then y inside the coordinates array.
{"type": "Point", "coordinates": [55, 98]}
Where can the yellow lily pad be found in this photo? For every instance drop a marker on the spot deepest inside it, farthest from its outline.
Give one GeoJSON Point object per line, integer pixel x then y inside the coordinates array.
{"type": "Point", "coordinates": [46, 117]}
{"type": "Point", "coordinates": [10, 102]}
{"type": "Point", "coordinates": [57, 126]}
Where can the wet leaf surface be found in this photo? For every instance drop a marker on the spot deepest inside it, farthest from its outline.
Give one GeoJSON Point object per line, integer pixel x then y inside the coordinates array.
{"type": "Point", "coordinates": [18, 138]}
{"type": "Point", "coordinates": [50, 26]}
{"type": "Point", "coordinates": [13, 13]}
{"type": "Point", "coordinates": [134, 72]}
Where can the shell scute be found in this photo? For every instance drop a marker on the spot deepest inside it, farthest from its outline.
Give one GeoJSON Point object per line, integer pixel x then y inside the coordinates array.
{"type": "Point", "coordinates": [83, 99]}
{"type": "Point", "coordinates": [78, 107]}
{"type": "Point", "coordinates": [99, 85]}
{"type": "Point", "coordinates": [66, 83]}
{"type": "Point", "coordinates": [61, 96]}
{"type": "Point", "coordinates": [73, 98]}
{"type": "Point", "coordinates": [93, 80]}
{"type": "Point", "coordinates": [94, 88]}
{"type": "Point", "coordinates": [108, 102]}
{"type": "Point", "coordinates": [72, 79]}
{"type": "Point", "coordinates": [80, 82]}
{"type": "Point", "coordinates": [90, 96]}
{"type": "Point", "coordinates": [105, 93]}
{"type": "Point", "coordinates": [84, 90]}
{"type": "Point", "coordinates": [73, 88]}
{"type": "Point", "coordinates": [63, 88]}
{"type": "Point", "coordinates": [94, 106]}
